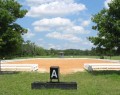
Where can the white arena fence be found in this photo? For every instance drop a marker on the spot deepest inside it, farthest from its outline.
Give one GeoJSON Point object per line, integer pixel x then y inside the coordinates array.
{"type": "Point", "coordinates": [19, 67]}
{"type": "Point", "coordinates": [102, 67]}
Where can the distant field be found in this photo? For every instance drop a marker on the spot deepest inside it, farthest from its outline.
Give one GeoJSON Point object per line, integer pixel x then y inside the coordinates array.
{"type": "Point", "coordinates": [88, 84]}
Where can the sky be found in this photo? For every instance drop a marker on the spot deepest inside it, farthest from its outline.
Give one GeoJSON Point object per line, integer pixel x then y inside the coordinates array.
{"type": "Point", "coordinates": [60, 24]}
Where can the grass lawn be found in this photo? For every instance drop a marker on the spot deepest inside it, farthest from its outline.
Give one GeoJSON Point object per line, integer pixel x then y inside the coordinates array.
{"type": "Point", "coordinates": [99, 83]}
{"type": "Point", "coordinates": [97, 57]}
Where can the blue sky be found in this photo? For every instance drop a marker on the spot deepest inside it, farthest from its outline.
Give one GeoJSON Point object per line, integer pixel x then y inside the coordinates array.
{"type": "Point", "coordinates": [60, 24]}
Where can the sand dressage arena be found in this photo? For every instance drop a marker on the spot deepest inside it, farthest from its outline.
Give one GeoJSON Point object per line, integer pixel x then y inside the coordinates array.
{"type": "Point", "coordinates": [67, 65]}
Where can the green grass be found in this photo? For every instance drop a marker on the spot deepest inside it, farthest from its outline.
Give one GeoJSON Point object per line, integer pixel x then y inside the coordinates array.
{"type": "Point", "coordinates": [115, 57]}
{"type": "Point", "coordinates": [97, 57]}
{"type": "Point", "coordinates": [97, 83]}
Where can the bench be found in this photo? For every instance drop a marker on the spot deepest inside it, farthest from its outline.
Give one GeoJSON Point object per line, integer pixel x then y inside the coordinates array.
{"type": "Point", "coordinates": [102, 67]}
{"type": "Point", "coordinates": [19, 67]}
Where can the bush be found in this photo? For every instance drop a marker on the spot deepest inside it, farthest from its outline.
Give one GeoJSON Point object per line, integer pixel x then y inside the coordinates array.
{"type": "Point", "coordinates": [101, 57]}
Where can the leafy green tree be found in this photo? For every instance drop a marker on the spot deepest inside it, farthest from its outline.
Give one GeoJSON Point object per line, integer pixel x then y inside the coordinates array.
{"type": "Point", "coordinates": [108, 27]}
{"type": "Point", "coordinates": [27, 48]}
{"type": "Point", "coordinates": [31, 49]}
{"type": "Point", "coordinates": [53, 52]}
{"type": "Point", "coordinates": [10, 32]}
{"type": "Point", "coordinates": [39, 51]}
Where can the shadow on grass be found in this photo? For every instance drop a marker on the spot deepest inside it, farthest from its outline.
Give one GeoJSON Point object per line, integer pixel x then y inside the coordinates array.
{"type": "Point", "coordinates": [8, 72]}
{"type": "Point", "coordinates": [104, 72]}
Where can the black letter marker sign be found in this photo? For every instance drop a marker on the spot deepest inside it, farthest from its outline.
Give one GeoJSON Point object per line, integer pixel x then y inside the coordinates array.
{"type": "Point", "coordinates": [54, 73]}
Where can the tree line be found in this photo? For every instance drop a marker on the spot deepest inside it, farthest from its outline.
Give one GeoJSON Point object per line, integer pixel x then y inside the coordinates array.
{"type": "Point", "coordinates": [30, 49]}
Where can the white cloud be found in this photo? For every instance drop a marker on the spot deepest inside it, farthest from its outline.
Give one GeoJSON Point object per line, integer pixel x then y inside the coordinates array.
{"type": "Point", "coordinates": [29, 34]}
{"type": "Point", "coordinates": [47, 8]}
{"type": "Point", "coordinates": [40, 39]}
{"type": "Point", "coordinates": [75, 46]}
{"type": "Point", "coordinates": [62, 36]}
{"type": "Point", "coordinates": [88, 43]}
{"type": "Point", "coordinates": [85, 23]}
{"type": "Point", "coordinates": [106, 3]}
{"type": "Point", "coordinates": [57, 22]}
{"type": "Point", "coordinates": [79, 30]}
{"type": "Point", "coordinates": [60, 25]}
{"type": "Point", "coordinates": [39, 2]}
{"type": "Point", "coordinates": [54, 46]}
{"type": "Point", "coordinates": [39, 28]}
{"type": "Point", "coordinates": [83, 44]}
{"type": "Point", "coordinates": [63, 32]}
{"type": "Point", "coordinates": [49, 45]}
{"type": "Point", "coordinates": [60, 28]}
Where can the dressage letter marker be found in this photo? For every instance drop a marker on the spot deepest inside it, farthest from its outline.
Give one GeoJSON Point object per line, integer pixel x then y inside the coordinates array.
{"type": "Point", "coordinates": [54, 73]}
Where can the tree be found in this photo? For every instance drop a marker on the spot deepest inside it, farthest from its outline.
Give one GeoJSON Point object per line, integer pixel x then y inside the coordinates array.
{"type": "Point", "coordinates": [10, 32]}
{"type": "Point", "coordinates": [31, 49]}
{"type": "Point", "coordinates": [108, 27]}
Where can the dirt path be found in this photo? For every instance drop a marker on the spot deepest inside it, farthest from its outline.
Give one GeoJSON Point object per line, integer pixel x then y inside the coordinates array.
{"type": "Point", "coordinates": [66, 65]}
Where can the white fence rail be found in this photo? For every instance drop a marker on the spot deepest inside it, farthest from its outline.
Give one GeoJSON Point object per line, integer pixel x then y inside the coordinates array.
{"type": "Point", "coordinates": [98, 67]}
{"type": "Point", "coordinates": [19, 67]}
